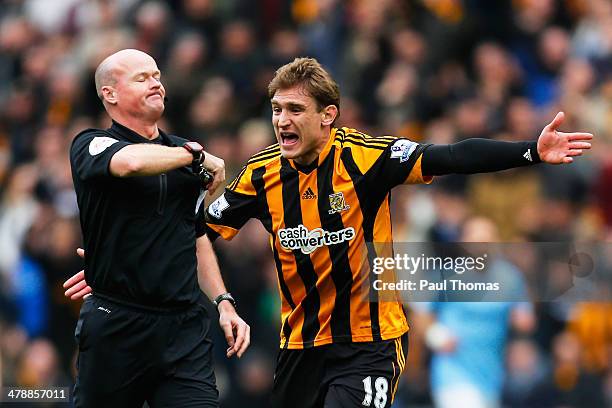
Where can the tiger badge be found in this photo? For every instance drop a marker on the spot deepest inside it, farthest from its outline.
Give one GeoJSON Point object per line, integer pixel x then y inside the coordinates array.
{"type": "Point", "coordinates": [337, 203]}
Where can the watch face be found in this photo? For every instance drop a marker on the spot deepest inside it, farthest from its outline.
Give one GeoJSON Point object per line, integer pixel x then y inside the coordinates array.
{"type": "Point", "coordinates": [194, 146]}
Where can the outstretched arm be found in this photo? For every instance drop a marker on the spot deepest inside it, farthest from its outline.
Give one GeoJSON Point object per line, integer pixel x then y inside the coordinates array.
{"type": "Point", "coordinates": [483, 155]}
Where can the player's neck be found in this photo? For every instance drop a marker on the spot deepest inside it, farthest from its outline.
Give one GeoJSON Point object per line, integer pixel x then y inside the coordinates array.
{"type": "Point", "coordinates": [144, 128]}
{"type": "Point", "coordinates": [307, 158]}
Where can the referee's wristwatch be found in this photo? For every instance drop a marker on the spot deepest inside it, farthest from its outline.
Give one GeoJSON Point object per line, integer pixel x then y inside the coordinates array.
{"type": "Point", "coordinates": [197, 151]}
{"type": "Point", "coordinates": [225, 296]}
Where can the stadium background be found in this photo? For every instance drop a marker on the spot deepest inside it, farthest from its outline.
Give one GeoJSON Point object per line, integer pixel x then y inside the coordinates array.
{"type": "Point", "coordinates": [434, 71]}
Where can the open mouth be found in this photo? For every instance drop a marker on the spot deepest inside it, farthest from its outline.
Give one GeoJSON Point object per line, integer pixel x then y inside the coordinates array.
{"type": "Point", "coordinates": [289, 138]}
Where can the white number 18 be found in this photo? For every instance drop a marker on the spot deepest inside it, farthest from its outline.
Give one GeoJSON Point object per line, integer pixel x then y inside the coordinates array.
{"type": "Point", "coordinates": [380, 399]}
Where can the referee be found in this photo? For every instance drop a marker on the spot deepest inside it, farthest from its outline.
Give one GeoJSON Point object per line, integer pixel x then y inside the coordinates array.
{"type": "Point", "coordinates": [143, 336]}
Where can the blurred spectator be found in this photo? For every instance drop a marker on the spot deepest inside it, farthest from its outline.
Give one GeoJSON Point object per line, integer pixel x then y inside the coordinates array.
{"type": "Point", "coordinates": [254, 381]}
{"type": "Point", "coordinates": [38, 366]}
{"type": "Point", "coordinates": [200, 15]}
{"type": "Point", "coordinates": [188, 59]}
{"type": "Point", "coordinates": [591, 324]}
{"type": "Point", "coordinates": [13, 340]}
{"type": "Point", "coordinates": [240, 58]}
{"type": "Point", "coordinates": [527, 372]}
{"type": "Point", "coordinates": [19, 208]}
{"type": "Point", "coordinates": [467, 339]}
{"type": "Point", "coordinates": [571, 385]}
{"type": "Point", "coordinates": [211, 112]}
{"type": "Point", "coordinates": [152, 24]}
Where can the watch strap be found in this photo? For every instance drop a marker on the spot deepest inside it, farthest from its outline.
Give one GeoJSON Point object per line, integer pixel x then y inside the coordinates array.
{"type": "Point", "coordinates": [225, 296]}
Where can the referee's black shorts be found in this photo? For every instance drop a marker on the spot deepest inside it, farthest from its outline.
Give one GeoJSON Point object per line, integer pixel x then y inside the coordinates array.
{"type": "Point", "coordinates": [129, 355]}
{"type": "Point", "coordinates": [340, 375]}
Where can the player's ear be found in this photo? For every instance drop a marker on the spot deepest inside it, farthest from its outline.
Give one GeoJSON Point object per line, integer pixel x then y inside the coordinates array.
{"type": "Point", "coordinates": [109, 94]}
{"type": "Point", "coordinates": [329, 115]}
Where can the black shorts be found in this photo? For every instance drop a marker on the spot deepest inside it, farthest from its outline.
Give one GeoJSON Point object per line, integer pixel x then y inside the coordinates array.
{"type": "Point", "coordinates": [129, 355]}
{"type": "Point", "coordinates": [340, 375]}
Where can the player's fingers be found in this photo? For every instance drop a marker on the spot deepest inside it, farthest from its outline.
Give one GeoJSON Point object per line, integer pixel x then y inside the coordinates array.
{"type": "Point", "coordinates": [556, 122]}
{"type": "Point", "coordinates": [579, 145]}
{"type": "Point", "coordinates": [567, 160]}
{"type": "Point", "coordinates": [247, 341]}
{"type": "Point", "coordinates": [82, 294]}
{"type": "Point", "coordinates": [575, 152]}
{"type": "Point", "coordinates": [79, 276]}
{"type": "Point", "coordinates": [81, 252]}
{"type": "Point", "coordinates": [75, 288]}
{"type": "Point", "coordinates": [577, 136]}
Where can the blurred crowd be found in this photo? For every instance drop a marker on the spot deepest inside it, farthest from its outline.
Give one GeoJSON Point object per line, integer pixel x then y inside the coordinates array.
{"type": "Point", "coordinates": [435, 71]}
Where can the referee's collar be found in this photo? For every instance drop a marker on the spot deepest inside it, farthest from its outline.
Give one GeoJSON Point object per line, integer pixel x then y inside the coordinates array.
{"type": "Point", "coordinates": [134, 137]}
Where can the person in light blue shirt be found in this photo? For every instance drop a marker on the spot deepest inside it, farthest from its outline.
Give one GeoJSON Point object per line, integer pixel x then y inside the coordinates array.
{"type": "Point", "coordinates": [468, 338]}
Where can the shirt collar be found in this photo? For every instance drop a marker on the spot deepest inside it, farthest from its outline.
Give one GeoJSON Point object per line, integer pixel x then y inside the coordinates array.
{"type": "Point", "coordinates": [316, 163]}
{"type": "Point", "coordinates": [134, 137]}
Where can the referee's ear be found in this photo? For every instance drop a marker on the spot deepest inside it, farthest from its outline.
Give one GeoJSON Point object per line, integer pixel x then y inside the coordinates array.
{"type": "Point", "coordinates": [109, 95]}
{"type": "Point", "coordinates": [329, 115]}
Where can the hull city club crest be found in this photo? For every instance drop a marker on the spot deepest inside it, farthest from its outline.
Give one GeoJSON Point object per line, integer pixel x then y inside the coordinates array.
{"type": "Point", "coordinates": [337, 203]}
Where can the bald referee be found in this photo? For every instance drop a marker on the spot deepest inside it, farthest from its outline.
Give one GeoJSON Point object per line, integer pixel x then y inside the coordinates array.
{"type": "Point", "coordinates": [142, 335]}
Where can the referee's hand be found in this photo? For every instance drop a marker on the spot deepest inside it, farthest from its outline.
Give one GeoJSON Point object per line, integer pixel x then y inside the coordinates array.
{"type": "Point", "coordinates": [216, 166]}
{"type": "Point", "coordinates": [76, 287]}
{"type": "Point", "coordinates": [237, 332]}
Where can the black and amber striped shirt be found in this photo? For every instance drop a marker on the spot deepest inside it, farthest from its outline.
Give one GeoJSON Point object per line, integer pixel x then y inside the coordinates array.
{"type": "Point", "coordinates": [324, 220]}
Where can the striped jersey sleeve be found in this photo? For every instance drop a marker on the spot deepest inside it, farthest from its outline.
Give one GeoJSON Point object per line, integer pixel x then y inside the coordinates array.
{"type": "Point", "coordinates": [239, 202]}
{"type": "Point", "coordinates": [387, 161]}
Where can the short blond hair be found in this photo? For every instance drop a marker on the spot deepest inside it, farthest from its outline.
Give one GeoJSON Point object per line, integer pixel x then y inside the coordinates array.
{"type": "Point", "coordinates": [312, 76]}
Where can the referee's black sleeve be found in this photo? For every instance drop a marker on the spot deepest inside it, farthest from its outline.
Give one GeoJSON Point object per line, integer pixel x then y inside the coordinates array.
{"type": "Point", "coordinates": [477, 156]}
{"type": "Point", "coordinates": [91, 153]}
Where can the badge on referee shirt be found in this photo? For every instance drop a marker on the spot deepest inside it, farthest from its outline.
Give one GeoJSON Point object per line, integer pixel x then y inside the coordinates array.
{"type": "Point", "coordinates": [99, 144]}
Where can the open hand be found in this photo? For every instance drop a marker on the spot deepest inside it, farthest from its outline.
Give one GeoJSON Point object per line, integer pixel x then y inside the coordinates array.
{"type": "Point", "coordinates": [556, 147]}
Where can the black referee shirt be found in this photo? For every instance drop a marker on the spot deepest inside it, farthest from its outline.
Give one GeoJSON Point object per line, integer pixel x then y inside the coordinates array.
{"type": "Point", "coordinates": [139, 232]}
